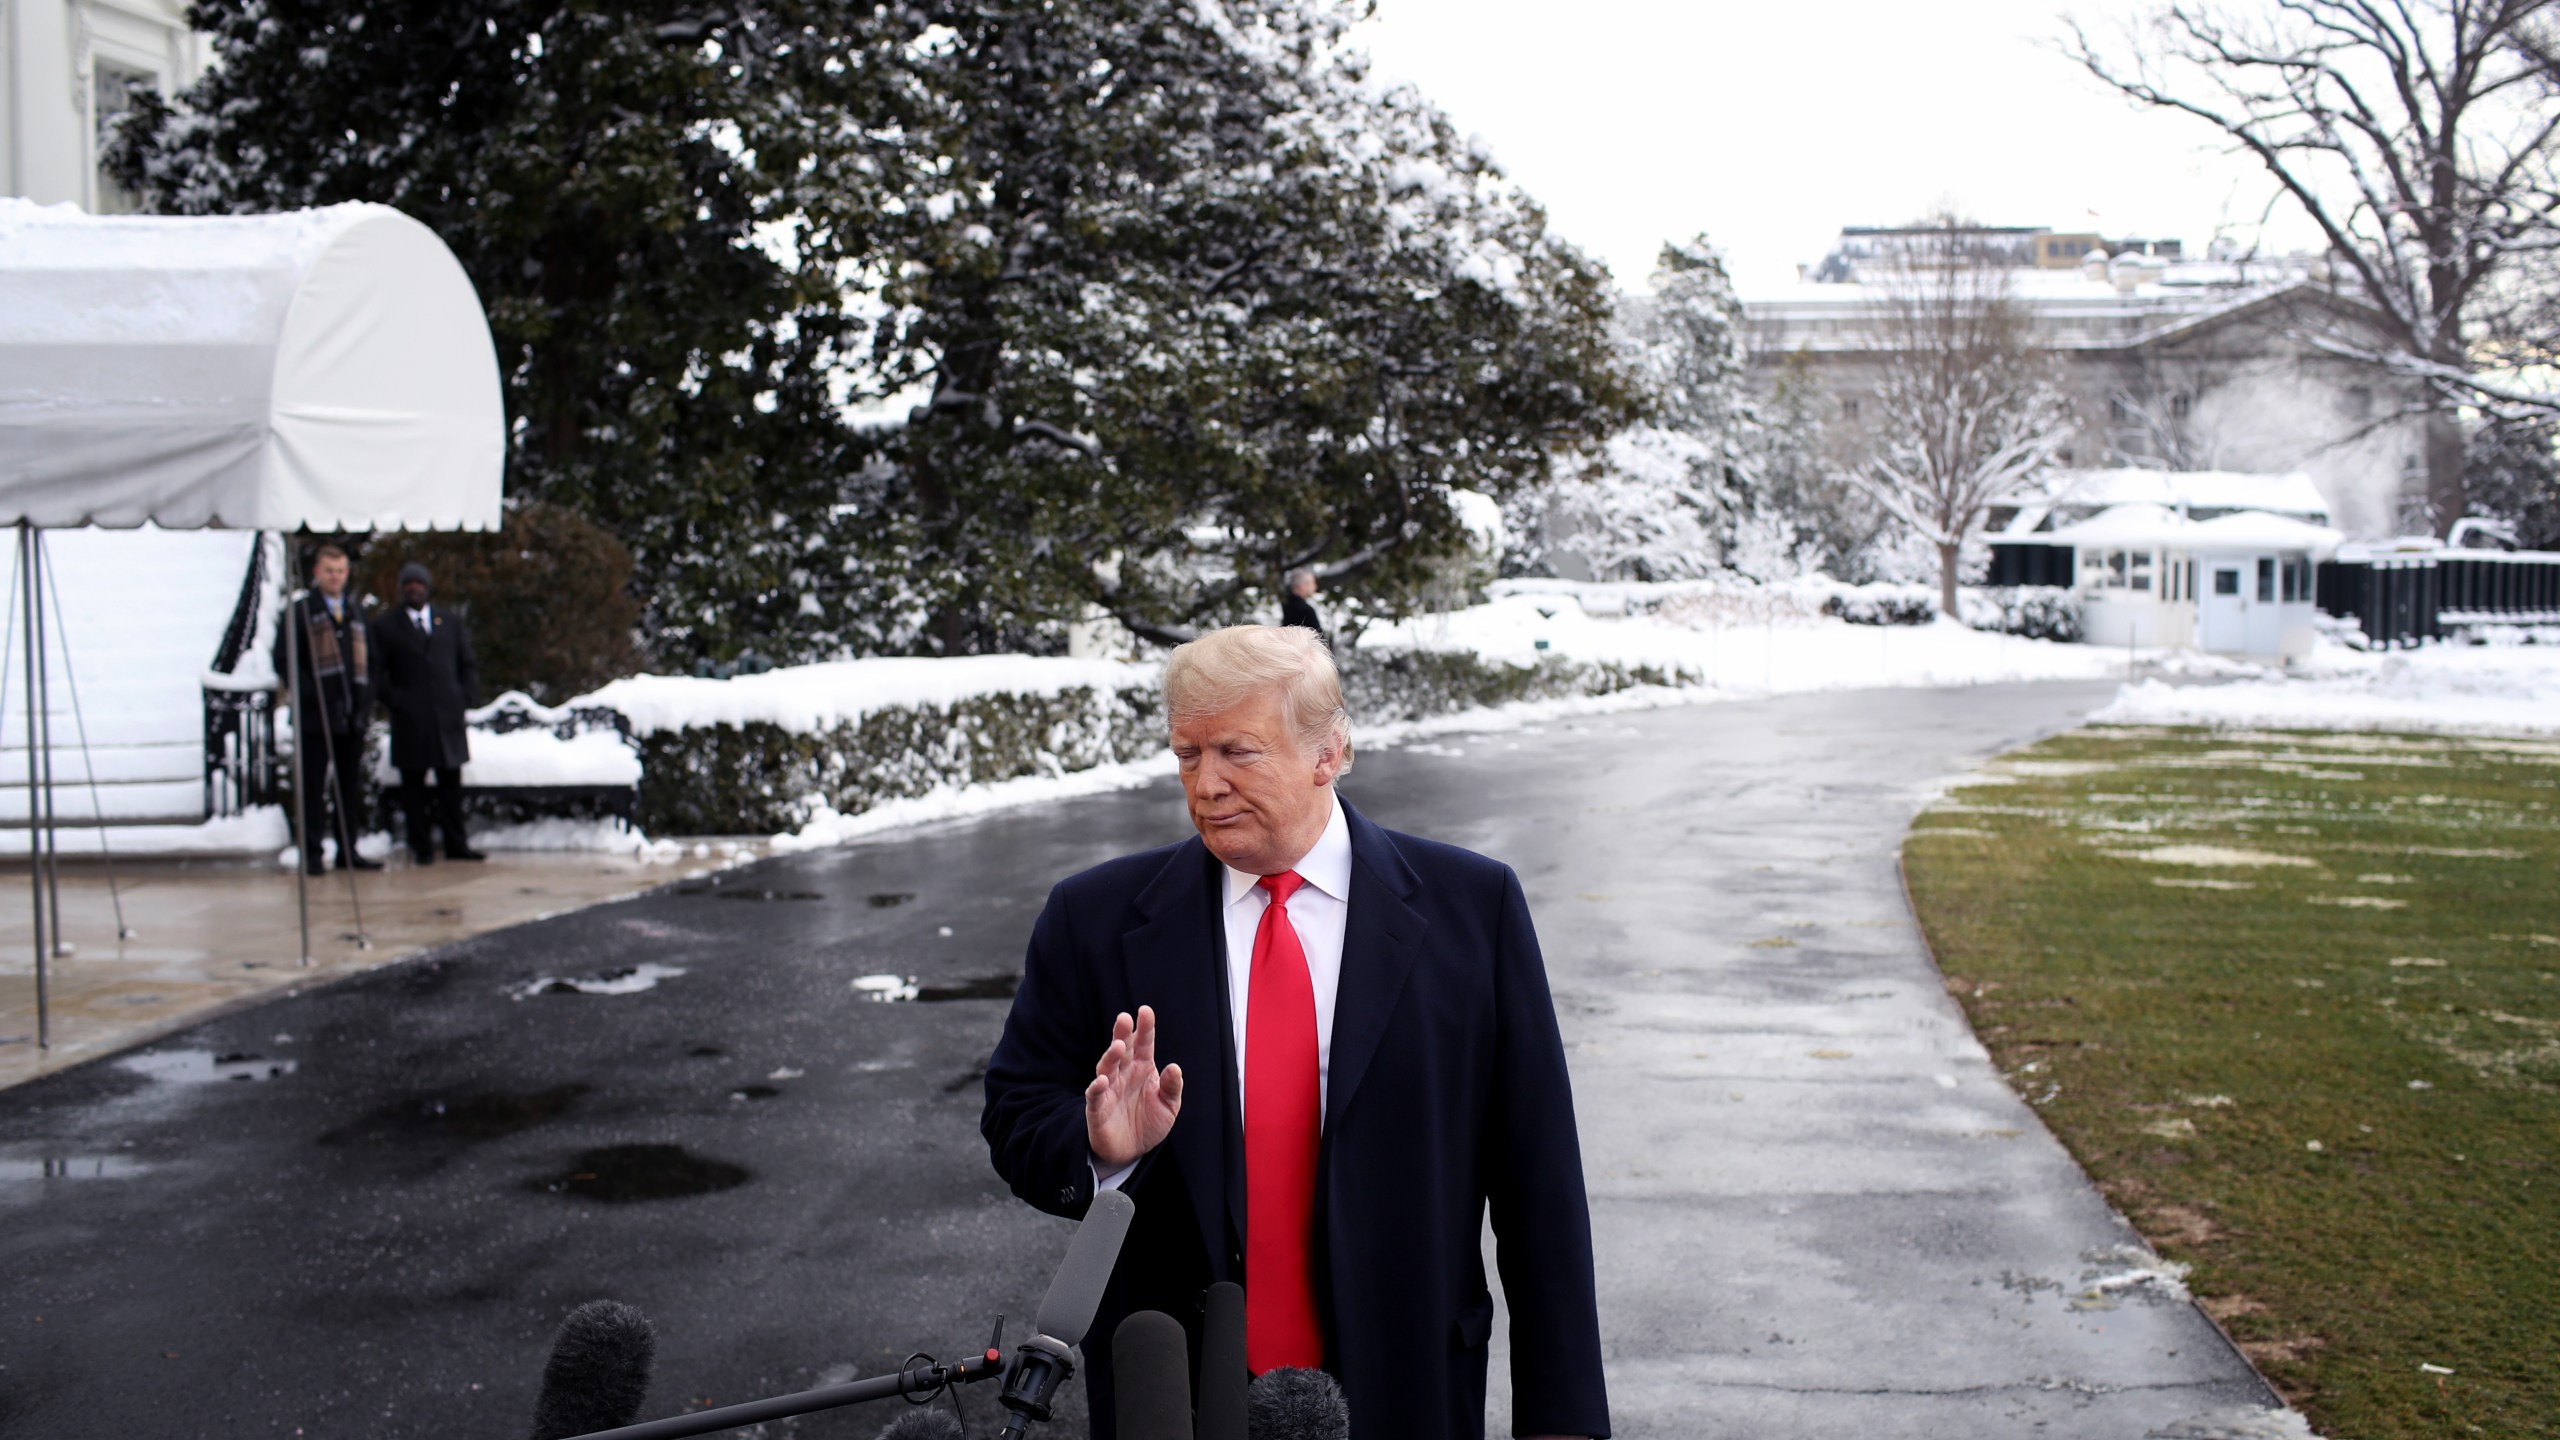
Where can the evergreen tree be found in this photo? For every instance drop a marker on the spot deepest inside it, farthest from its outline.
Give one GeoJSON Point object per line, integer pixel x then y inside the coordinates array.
{"type": "Point", "coordinates": [605, 173]}
{"type": "Point", "coordinates": [933, 326]}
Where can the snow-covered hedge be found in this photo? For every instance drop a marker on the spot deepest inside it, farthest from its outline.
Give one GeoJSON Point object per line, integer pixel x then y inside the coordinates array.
{"type": "Point", "coordinates": [2038, 612]}
{"type": "Point", "coordinates": [760, 754]}
{"type": "Point", "coordinates": [1393, 685]}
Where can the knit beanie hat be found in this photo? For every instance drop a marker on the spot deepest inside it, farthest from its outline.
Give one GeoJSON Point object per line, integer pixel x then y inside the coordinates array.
{"type": "Point", "coordinates": [415, 571]}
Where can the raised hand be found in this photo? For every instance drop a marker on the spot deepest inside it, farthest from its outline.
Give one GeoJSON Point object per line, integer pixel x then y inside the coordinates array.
{"type": "Point", "coordinates": [1131, 1105]}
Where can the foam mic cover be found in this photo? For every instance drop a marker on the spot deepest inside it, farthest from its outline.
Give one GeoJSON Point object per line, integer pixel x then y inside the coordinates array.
{"type": "Point", "coordinates": [1151, 1377]}
{"type": "Point", "coordinates": [922, 1423]}
{"type": "Point", "coordinates": [1297, 1405]}
{"type": "Point", "coordinates": [598, 1372]}
{"type": "Point", "coordinates": [1066, 1312]}
{"type": "Point", "coordinates": [1223, 1371]}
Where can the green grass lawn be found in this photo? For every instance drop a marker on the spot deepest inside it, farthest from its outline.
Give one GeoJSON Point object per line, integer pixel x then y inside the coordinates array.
{"type": "Point", "coordinates": [2294, 1001]}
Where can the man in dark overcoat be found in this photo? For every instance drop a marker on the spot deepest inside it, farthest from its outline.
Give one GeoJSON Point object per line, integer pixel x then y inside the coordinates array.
{"type": "Point", "coordinates": [428, 678]}
{"type": "Point", "coordinates": [332, 646]}
{"type": "Point", "coordinates": [1298, 604]}
{"type": "Point", "coordinates": [1326, 1051]}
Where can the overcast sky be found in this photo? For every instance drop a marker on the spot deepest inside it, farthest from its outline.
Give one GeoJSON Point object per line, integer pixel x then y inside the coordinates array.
{"type": "Point", "coordinates": [1771, 125]}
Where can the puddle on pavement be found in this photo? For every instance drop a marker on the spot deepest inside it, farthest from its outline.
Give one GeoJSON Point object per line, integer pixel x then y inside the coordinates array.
{"type": "Point", "coordinates": [72, 1167]}
{"type": "Point", "coordinates": [195, 1067]}
{"type": "Point", "coordinates": [888, 900]}
{"type": "Point", "coordinates": [901, 989]}
{"type": "Point", "coordinates": [706, 1052]}
{"type": "Point", "coordinates": [626, 980]}
{"type": "Point", "coordinates": [755, 1092]}
{"type": "Point", "coordinates": [485, 1115]}
{"type": "Point", "coordinates": [619, 1174]}
{"type": "Point", "coordinates": [985, 987]}
{"type": "Point", "coordinates": [747, 892]}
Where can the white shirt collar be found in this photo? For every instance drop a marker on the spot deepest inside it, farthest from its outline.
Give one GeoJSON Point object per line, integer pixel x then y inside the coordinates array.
{"type": "Point", "coordinates": [419, 615]}
{"type": "Point", "coordinates": [1327, 867]}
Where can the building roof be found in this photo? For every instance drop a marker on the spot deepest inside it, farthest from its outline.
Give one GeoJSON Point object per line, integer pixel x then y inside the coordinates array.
{"type": "Point", "coordinates": [2157, 525]}
{"type": "Point", "coordinates": [2291, 493]}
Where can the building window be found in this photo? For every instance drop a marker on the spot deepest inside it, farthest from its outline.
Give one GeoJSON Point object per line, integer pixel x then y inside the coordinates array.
{"type": "Point", "coordinates": [2142, 570]}
{"type": "Point", "coordinates": [2266, 579]}
{"type": "Point", "coordinates": [2359, 402]}
{"type": "Point", "coordinates": [2226, 582]}
{"type": "Point", "coordinates": [1849, 407]}
{"type": "Point", "coordinates": [2179, 404]}
{"type": "Point", "coordinates": [111, 97]}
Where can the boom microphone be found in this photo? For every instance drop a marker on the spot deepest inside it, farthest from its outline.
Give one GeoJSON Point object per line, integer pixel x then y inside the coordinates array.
{"type": "Point", "coordinates": [1151, 1377]}
{"type": "Point", "coordinates": [598, 1372]}
{"type": "Point", "coordinates": [1297, 1405]}
{"type": "Point", "coordinates": [1044, 1362]}
{"type": "Point", "coordinates": [1223, 1371]}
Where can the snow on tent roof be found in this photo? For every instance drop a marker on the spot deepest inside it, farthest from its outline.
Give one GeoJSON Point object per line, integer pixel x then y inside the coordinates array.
{"type": "Point", "coordinates": [2287, 494]}
{"type": "Point", "coordinates": [324, 368]}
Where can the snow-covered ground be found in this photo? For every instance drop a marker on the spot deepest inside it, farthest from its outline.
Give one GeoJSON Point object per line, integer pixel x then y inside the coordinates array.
{"type": "Point", "coordinates": [1748, 643]}
{"type": "Point", "coordinates": [2506, 688]}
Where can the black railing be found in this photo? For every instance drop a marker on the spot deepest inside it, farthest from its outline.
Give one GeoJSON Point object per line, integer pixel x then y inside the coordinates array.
{"type": "Point", "coordinates": [241, 768]}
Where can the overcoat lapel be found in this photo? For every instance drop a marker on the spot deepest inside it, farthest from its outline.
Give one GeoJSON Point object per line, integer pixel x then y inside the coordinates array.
{"type": "Point", "coordinates": [1177, 963]}
{"type": "Point", "coordinates": [1381, 941]}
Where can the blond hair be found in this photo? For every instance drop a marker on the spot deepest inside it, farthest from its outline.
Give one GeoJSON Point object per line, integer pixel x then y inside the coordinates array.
{"type": "Point", "coordinates": [1225, 668]}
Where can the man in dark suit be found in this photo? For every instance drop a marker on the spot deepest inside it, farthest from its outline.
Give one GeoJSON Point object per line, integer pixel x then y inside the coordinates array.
{"type": "Point", "coordinates": [1297, 604]}
{"type": "Point", "coordinates": [1325, 1049]}
{"type": "Point", "coordinates": [429, 677]}
{"type": "Point", "coordinates": [330, 647]}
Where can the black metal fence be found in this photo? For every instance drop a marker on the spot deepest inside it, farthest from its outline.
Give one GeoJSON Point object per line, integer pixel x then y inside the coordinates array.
{"type": "Point", "coordinates": [2426, 595]}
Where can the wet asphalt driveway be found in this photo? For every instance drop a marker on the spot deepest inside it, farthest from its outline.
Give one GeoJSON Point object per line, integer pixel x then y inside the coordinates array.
{"type": "Point", "coordinates": [1819, 1212]}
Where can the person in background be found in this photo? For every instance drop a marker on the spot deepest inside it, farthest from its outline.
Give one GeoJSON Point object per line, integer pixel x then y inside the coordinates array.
{"type": "Point", "coordinates": [428, 678]}
{"type": "Point", "coordinates": [1296, 607]}
{"type": "Point", "coordinates": [336, 707]}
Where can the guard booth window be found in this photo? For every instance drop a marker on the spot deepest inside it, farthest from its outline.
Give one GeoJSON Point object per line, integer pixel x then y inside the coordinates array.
{"type": "Point", "coordinates": [2226, 582]}
{"type": "Point", "coordinates": [2266, 579]}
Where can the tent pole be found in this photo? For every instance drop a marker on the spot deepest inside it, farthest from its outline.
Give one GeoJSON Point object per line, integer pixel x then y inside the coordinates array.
{"type": "Point", "coordinates": [88, 757]}
{"type": "Point", "coordinates": [290, 618]}
{"type": "Point", "coordinates": [44, 707]}
{"type": "Point", "coordinates": [35, 867]}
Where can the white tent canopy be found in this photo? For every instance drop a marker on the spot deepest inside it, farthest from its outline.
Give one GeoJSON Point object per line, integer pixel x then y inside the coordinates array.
{"type": "Point", "coordinates": [328, 369]}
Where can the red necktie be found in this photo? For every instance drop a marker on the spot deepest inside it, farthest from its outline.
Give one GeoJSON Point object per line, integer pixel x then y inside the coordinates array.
{"type": "Point", "coordinates": [1282, 1121]}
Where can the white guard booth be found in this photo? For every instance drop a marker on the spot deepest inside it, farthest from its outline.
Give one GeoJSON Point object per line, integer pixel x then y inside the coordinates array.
{"type": "Point", "coordinates": [325, 370]}
{"type": "Point", "coordinates": [2238, 584]}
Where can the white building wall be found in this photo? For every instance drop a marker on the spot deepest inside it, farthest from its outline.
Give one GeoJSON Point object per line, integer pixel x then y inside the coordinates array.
{"type": "Point", "coordinates": [56, 56]}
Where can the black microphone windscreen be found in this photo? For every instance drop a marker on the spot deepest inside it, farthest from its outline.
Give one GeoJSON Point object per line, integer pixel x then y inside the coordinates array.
{"type": "Point", "coordinates": [1223, 1371]}
{"type": "Point", "coordinates": [1297, 1405]}
{"type": "Point", "coordinates": [598, 1372]}
{"type": "Point", "coordinates": [1066, 1312]}
{"type": "Point", "coordinates": [924, 1422]}
{"type": "Point", "coordinates": [1151, 1377]}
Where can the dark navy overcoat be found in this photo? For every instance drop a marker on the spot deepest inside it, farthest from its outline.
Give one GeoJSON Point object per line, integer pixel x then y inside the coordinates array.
{"type": "Point", "coordinates": [1446, 1094]}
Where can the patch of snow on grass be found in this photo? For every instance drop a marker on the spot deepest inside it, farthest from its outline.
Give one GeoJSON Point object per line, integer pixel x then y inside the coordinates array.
{"type": "Point", "coordinates": [2212, 856]}
{"type": "Point", "coordinates": [2359, 902]}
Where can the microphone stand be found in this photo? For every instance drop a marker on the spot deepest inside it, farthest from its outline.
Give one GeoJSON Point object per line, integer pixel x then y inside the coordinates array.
{"type": "Point", "coordinates": [916, 1382]}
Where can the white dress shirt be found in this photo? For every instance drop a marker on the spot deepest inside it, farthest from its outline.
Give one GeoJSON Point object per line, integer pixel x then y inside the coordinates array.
{"type": "Point", "coordinates": [1319, 912]}
{"type": "Point", "coordinates": [419, 618]}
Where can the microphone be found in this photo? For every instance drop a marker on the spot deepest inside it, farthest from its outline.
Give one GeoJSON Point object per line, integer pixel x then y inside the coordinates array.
{"type": "Point", "coordinates": [598, 1372]}
{"type": "Point", "coordinates": [1297, 1405]}
{"type": "Point", "coordinates": [923, 1422]}
{"type": "Point", "coordinates": [1043, 1363]}
{"type": "Point", "coordinates": [1223, 1371]}
{"type": "Point", "coordinates": [1151, 1377]}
